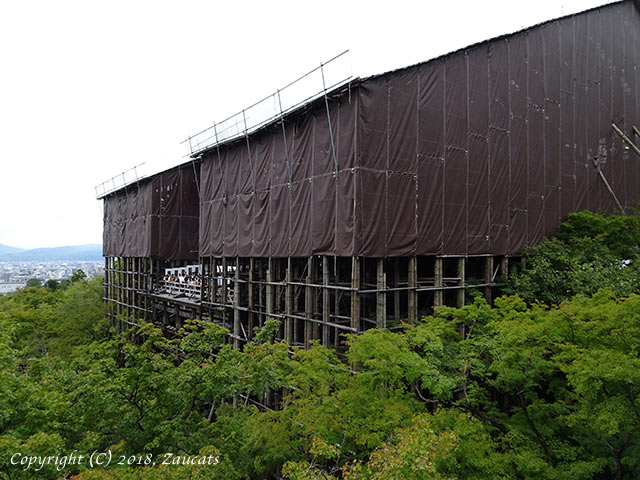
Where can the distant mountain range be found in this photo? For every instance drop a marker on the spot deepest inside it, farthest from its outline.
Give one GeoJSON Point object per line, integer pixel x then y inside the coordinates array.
{"type": "Point", "coordinates": [7, 249]}
{"type": "Point", "coordinates": [79, 253]}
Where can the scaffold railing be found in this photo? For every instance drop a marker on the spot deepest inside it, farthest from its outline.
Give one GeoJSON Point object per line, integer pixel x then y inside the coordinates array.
{"type": "Point", "coordinates": [116, 182]}
{"type": "Point", "coordinates": [310, 86]}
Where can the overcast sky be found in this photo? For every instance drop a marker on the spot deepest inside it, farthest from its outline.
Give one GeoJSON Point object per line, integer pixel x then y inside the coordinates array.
{"type": "Point", "coordinates": [89, 89]}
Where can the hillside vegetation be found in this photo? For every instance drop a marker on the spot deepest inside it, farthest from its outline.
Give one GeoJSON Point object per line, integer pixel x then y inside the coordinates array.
{"type": "Point", "coordinates": [543, 385]}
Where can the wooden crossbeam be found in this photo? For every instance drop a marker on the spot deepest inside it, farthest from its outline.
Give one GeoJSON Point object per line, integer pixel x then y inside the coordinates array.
{"type": "Point", "coordinates": [627, 139]}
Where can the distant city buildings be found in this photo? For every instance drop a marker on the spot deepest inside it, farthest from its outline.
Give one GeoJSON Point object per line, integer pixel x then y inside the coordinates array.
{"type": "Point", "coordinates": [14, 275]}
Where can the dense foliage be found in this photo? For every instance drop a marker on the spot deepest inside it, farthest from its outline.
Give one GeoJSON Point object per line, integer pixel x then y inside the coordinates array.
{"type": "Point", "coordinates": [520, 390]}
{"type": "Point", "coordinates": [590, 251]}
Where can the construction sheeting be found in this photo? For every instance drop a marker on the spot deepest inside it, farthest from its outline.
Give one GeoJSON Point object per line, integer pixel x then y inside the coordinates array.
{"type": "Point", "coordinates": [482, 151]}
{"type": "Point", "coordinates": [277, 193]}
{"type": "Point", "coordinates": [156, 217]}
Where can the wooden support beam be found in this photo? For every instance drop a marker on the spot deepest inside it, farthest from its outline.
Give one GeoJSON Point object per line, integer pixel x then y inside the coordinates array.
{"type": "Point", "coordinates": [326, 303]}
{"type": "Point", "coordinates": [396, 284]}
{"type": "Point", "coordinates": [295, 299]}
{"type": "Point", "coordinates": [251, 303]}
{"type": "Point", "coordinates": [314, 307]}
{"type": "Point", "coordinates": [488, 277]}
{"type": "Point", "coordinates": [270, 288]}
{"type": "Point", "coordinates": [504, 268]}
{"type": "Point", "coordinates": [277, 276]}
{"type": "Point", "coordinates": [412, 298]}
{"type": "Point", "coordinates": [336, 297]}
{"type": "Point", "coordinates": [213, 280]}
{"type": "Point", "coordinates": [460, 295]}
{"type": "Point", "coordinates": [262, 294]}
{"type": "Point", "coordinates": [355, 295]}
{"type": "Point", "coordinates": [224, 292]}
{"type": "Point", "coordinates": [237, 331]}
{"type": "Point", "coordinates": [438, 295]}
{"type": "Point", "coordinates": [308, 304]}
{"type": "Point", "coordinates": [626, 139]}
{"type": "Point", "coordinates": [611, 192]}
{"type": "Point", "coordinates": [288, 304]}
{"type": "Point", "coordinates": [381, 295]}
{"type": "Point", "coordinates": [106, 280]}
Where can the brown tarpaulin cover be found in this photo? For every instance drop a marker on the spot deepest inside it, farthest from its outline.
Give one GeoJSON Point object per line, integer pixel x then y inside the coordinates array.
{"type": "Point", "coordinates": [484, 150]}
{"type": "Point", "coordinates": [157, 217]}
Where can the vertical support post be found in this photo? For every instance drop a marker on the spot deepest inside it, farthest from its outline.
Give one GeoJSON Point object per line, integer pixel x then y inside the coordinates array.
{"type": "Point", "coordinates": [488, 276]}
{"type": "Point", "coordinates": [106, 281]}
{"type": "Point", "coordinates": [381, 296]}
{"type": "Point", "coordinates": [270, 287]}
{"type": "Point", "coordinates": [308, 305]}
{"type": "Point", "coordinates": [288, 304]}
{"type": "Point", "coordinates": [462, 280]}
{"type": "Point", "coordinates": [261, 294]}
{"type": "Point", "coordinates": [127, 285]}
{"type": "Point", "coordinates": [224, 291]}
{"type": "Point", "coordinates": [337, 295]}
{"type": "Point", "coordinates": [396, 285]}
{"type": "Point", "coordinates": [213, 280]}
{"type": "Point", "coordinates": [438, 295]}
{"type": "Point", "coordinates": [355, 293]}
{"type": "Point", "coordinates": [277, 266]}
{"type": "Point", "coordinates": [251, 303]}
{"type": "Point", "coordinates": [236, 303]}
{"type": "Point", "coordinates": [504, 268]}
{"type": "Point", "coordinates": [136, 286]}
{"type": "Point", "coordinates": [412, 281]}
{"type": "Point", "coordinates": [326, 301]}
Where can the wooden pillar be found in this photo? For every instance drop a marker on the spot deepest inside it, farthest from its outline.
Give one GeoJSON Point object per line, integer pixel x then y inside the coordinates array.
{"type": "Point", "coordinates": [326, 302]}
{"type": "Point", "coordinates": [396, 285]}
{"type": "Point", "coordinates": [460, 296]}
{"type": "Point", "coordinates": [106, 280]}
{"type": "Point", "coordinates": [308, 305]}
{"type": "Point", "coordinates": [488, 276]}
{"type": "Point", "coordinates": [337, 296]}
{"type": "Point", "coordinates": [438, 295]}
{"type": "Point", "coordinates": [251, 303]}
{"type": "Point", "coordinates": [288, 304]}
{"type": "Point", "coordinates": [381, 296]}
{"type": "Point", "coordinates": [412, 298]}
{"type": "Point", "coordinates": [277, 264]}
{"type": "Point", "coordinates": [135, 286]}
{"type": "Point", "coordinates": [237, 332]}
{"type": "Point", "coordinates": [355, 293]}
{"type": "Point", "coordinates": [504, 268]}
{"type": "Point", "coordinates": [270, 288]}
{"type": "Point", "coordinates": [213, 280]}
{"type": "Point", "coordinates": [127, 286]}
{"type": "Point", "coordinates": [261, 293]}
{"type": "Point", "coordinates": [295, 303]}
{"type": "Point", "coordinates": [223, 293]}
